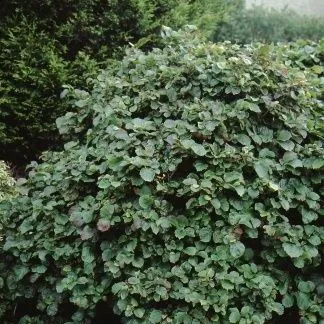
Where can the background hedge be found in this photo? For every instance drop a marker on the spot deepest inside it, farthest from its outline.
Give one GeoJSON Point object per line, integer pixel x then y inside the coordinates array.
{"type": "Point", "coordinates": [189, 192]}
{"type": "Point", "coordinates": [269, 25]}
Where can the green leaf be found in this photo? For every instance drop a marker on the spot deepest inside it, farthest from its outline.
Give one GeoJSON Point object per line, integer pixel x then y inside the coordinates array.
{"type": "Point", "coordinates": [243, 139]}
{"type": "Point", "coordinates": [107, 210]}
{"type": "Point", "coordinates": [283, 135]}
{"type": "Point", "coordinates": [235, 316]}
{"type": "Point", "coordinates": [261, 169]}
{"type": "Point", "coordinates": [216, 203]}
{"type": "Point", "coordinates": [146, 201]}
{"type": "Point", "coordinates": [191, 250]}
{"type": "Point", "coordinates": [278, 308]}
{"type": "Point", "coordinates": [198, 149]}
{"type": "Point", "coordinates": [155, 316]}
{"type": "Point", "coordinates": [237, 249]}
{"type": "Point", "coordinates": [318, 164]}
{"type": "Point", "coordinates": [147, 174]}
{"type": "Point", "coordinates": [254, 107]}
{"type": "Point", "coordinates": [315, 240]}
{"type": "Point", "coordinates": [104, 183]}
{"type": "Point", "coordinates": [174, 257]}
{"type": "Point", "coordinates": [87, 255]}
{"type": "Point", "coordinates": [288, 301]}
{"type": "Point", "coordinates": [273, 186]}
{"type": "Point", "coordinates": [133, 281]}
{"type": "Point", "coordinates": [200, 166]}
{"type": "Point", "coordinates": [306, 286]}
{"type": "Point", "coordinates": [285, 204]}
{"type": "Point", "coordinates": [293, 250]}
{"type": "Point", "coordinates": [240, 190]}
{"type": "Point", "coordinates": [308, 216]}
{"type": "Point", "coordinates": [205, 234]}
{"type": "Point", "coordinates": [232, 176]}
{"type": "Point", "coordinates": [139, 312]}
{"type": "Point", "coordinates": [39, 269]}
{"type": "Point", "coordinates": [303, 300]}
{"type": "Point", "coordinates": [20, 271]}
{"type": "Point", "coordinates": [288, 145]}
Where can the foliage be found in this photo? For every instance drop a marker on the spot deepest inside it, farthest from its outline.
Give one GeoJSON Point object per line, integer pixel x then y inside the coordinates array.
{"type": "Point", "coordinates": [269, 25]}
{"type": "Point", "coordinates": [32, 72]}
{"type": "Point", "coordinates": [6, 182]}
{"type": "Point", "coordinates": [189, 192]}
{"type": "Point", "coordinates": [308, 56]}
{"type": "Point", "coordinates": [47, 44]}
{"type": "Point", "coordinates": [7, 191]}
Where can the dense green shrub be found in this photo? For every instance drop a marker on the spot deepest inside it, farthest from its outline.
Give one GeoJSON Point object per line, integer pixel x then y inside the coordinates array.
{"type": "Point", "coordinates": [190, 193]}
{"type": "Point", "coordinates": [269, 25]}
{"type": "Point", "coordinates": [46, 44]}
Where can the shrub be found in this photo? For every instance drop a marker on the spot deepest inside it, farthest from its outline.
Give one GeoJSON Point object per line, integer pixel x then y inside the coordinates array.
{"type": "Point", "coordinates": [189, 193]}
{"type": "Point", "coordinates": [269, 25]}
{"type": "Point", "coordinates": [45, 45]}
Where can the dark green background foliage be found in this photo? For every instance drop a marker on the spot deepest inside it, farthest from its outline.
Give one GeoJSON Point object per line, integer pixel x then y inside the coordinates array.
{"type": "Point", "coordinates": [46, 44]}
{"type": "Point", "coordinates": [269, 25]}
{"type": "Point", "coordinates": [190, 193]}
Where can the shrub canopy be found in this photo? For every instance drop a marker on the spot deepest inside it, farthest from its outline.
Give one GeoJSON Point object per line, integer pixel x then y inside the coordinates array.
{"type": "Point", "coordinates": [189, 192]}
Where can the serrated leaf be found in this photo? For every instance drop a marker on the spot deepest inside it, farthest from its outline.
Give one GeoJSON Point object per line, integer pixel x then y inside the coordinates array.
{"type": "Point", "coordinates": [87, 255]}
{"type": "Point", "coordinates": [235, 316]}
{"type": "Point", "coordinates": [273, 186]}
{"type": "Point", "coordinates": [308, 216]}
{"type": "Point", "coordinates": [205, 234]}
{"type": "Point", "coordinates": [240, 190]}
{"type": "Point", "coordinates": [20, 271]}
{"type": "Point", "coordinates": [283, 135]}
{"type": "Point", "coordinates": [237, 249]}
{"type": "Point", "coordinates": [146, 201]}
{"type": "Point", "coordinates": [278, 308]}
{"type": "Point", "coordinates": [288, 145]}
{"type": "Point", "coordinates": [306, 286]}
{"type": "Point", "coordinates": [288, 301]}
{"type": "Point", "coordinates": [155, 316]}
{"type": "Point", "coordinates": [318, 164]}
{"type": "Point", "coordinates": [216, 203]}
{"type": "Point", "coordinates": [191, 250]}
{"type": "Point", "coordinates": [243, 139]}
{"type": "Point", "coordinates": [261, 169]}
{"type": "Point", "coordinates": [174, 257]}
{"type": "Point", "coordinates": [293, 250]}
{"type": "Point", "coordinates": [147, 174]}
{"type": "Point", "coordinates": [303, 300]}
{"type": "Point", "coordinates": [139, 312]}
{"type": "Point", "coordinates": [198, 149]}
